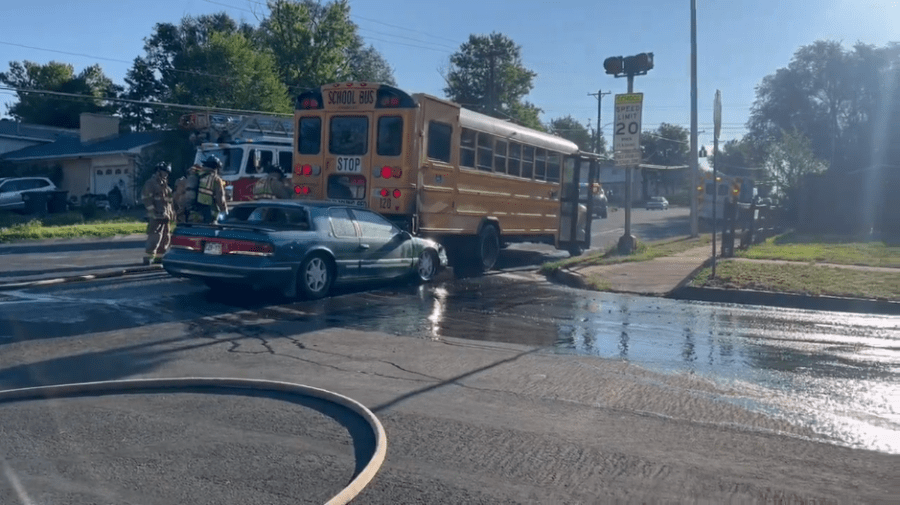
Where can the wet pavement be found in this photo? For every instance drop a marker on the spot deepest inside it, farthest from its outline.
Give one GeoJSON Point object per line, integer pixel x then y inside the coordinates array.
{"type": "Point", "coordinates": [834, 373]}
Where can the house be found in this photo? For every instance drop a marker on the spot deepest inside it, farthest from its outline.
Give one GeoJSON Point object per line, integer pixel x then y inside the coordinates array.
{"type": "Point", "coordinates": [15, 135]}
{"type": "Point", "coordinates": [95, 160]}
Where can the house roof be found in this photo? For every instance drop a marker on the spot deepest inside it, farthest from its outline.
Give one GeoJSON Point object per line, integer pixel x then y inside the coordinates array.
{"type": "Point", "coordinates": [34, 132]}
{"type": "Point", "coordinates": [71, 147]}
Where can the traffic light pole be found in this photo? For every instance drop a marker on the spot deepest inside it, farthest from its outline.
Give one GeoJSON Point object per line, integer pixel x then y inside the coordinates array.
{"type": "Point", "coordinates": [627, 243]}
{"type": "Point", "coordinates": [629, 66]}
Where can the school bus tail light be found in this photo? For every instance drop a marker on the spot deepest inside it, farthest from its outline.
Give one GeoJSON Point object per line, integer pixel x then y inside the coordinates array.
{"type": "Point", "coordinates": [397, 193]}
{"type": "Point", "coordinates": [385, 172]}
{"type": "Point", "coordinates": [384, 192]}
{"type": "Point", "coordinates": [397, 172]}
{"type": "Point", "coordinates": [301, 190]}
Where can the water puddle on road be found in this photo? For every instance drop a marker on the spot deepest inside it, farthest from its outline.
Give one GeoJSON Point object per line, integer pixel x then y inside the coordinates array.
{"type": "Point", "coordinates": [837, 374]}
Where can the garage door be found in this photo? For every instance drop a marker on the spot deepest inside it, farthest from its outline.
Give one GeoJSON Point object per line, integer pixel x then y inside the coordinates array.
{"type": "Point", "coordinates": [106, 178]}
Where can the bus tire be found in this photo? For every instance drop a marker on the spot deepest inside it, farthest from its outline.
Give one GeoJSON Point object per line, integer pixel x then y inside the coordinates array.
{"type": "Point", "coordinates": [488, 248]}
{"type": "Point", "coordinates": [575, 250]}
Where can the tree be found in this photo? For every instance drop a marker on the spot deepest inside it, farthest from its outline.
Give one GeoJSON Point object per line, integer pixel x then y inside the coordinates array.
{"type": "Point", "coordinates": [789, 160]}
{"type": "Point", "coordinates": [60, 111]}
{"type": "Point", "coordinates": [366, 64]}
{"type": "Point", "coordinates": [570, 129]}
{"type": "Point", "coordinates": [487, 75]}
{"type": "Point", "coordinates": [207, 60]}
{"type": "Point", "coordinates": [315, 44]}
{"type": "Point", "coordinates": [831, 95]}
{"type": "Point", "coordinates": [668, 145]}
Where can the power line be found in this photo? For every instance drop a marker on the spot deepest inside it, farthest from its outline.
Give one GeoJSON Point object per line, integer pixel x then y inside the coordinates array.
{"type": "Point", "coordinates": [144, 103]}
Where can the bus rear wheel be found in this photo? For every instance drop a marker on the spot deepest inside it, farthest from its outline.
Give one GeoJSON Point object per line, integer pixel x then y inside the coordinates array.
{"type": "Point", "coordinates": [488, 249]}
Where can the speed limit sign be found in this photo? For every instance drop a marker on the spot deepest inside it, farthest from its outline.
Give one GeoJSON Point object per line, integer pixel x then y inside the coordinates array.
{"type": "Point", "coordinates": [627, 133]}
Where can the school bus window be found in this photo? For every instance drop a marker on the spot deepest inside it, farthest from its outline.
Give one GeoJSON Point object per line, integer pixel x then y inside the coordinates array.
{"type": "Point", "coordinates": [467, 148]}
{"type": "Point", "coordinates": [540, 165]}
{"type": "Point", "coordinates": [390, 136]}
{"type": "Point", "coordinates": [310, 135]}
{"type": "Point", "coordinates": [553, 163]}
{"type": "Point", "coordinates": [485, 152]}
{"type": "Point", "coordinates": [349, 135]}
{"type": "Point", "coordinates": [439, 141]}
{"type": "Point", "coordinates": [527, 162]}
{"type": "Point", "coordinates": [346, 187]}
{"type": "Point", "coordinates": [500, 157]}
{"type": "Point", "coordinates": [515, 154]}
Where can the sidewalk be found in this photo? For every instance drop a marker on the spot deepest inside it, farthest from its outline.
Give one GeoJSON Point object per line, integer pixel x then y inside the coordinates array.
{"type": "Point", "coordinates": [54, 261]}
{"type": "Point", "coordinates": [656, 277]}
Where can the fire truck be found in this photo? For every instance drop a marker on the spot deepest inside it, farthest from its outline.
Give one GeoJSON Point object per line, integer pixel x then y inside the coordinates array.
{"type": "Point", "coordinates": [246, 145]}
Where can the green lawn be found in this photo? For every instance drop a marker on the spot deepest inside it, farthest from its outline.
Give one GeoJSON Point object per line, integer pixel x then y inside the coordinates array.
{"type": "Point", "coordinates": [824, 249]}
{"type": "Point", "coordinates": [70, 225]}
{"type": "Point", "coordinates": [802, 278]}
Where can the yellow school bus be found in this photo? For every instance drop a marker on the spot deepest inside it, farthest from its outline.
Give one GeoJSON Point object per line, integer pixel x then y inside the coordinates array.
{"type": "Point", "coordinates": [472, 182]}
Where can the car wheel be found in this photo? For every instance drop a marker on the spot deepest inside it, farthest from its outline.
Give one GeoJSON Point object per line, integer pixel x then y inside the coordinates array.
{"type": "Point", "coordinates": [488, 247]}
{"type": "Point", "coordinates": [315, 277]}
{"type": "Point", "coordinates": [426, 266]}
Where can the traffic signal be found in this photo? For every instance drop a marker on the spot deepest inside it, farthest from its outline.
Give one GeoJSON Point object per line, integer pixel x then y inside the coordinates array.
{"type": "Point", "coordinates": [638, 64]}
{"type": "Point", "coordinates": [613, 65]}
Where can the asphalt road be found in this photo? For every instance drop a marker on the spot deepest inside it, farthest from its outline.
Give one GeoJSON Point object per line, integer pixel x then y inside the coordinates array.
{"type": "Point", "coordinates": [500, 389]}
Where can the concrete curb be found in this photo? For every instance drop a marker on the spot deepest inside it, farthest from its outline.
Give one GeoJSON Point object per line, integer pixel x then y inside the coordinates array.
{"type": "Point", "coordinates": [142, 385]}
{"type": "Point", "coordinates": [80, 278]}
{"type": "Point", "coordinates": [787, 300]}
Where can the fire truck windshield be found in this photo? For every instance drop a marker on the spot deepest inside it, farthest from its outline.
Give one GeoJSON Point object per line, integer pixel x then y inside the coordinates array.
{"type": "Point", "coordinates": [231, 158]}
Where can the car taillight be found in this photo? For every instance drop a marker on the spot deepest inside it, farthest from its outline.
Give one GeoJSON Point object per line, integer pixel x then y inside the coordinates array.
{"type": "Point", "coordinates": [189, 243]}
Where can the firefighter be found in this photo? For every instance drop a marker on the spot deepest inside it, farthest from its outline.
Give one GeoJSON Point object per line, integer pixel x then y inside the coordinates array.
{"type": "Point", "coordinates": [271, 186]}
{"type": "Point", "coordinates": [179, 200]}
{"type": "Point", "coordinates": [205, 192]}
{"type": "Point", "coordinates": [157, 198]}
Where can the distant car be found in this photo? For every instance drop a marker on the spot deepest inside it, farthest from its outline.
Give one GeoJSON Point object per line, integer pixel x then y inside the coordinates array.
{"type": "Point", "coordinates": [13, 190]}
{"type": "Point", "coordinates": [301, 248]}
{"type": "Point", "coordinates": [657, 202]}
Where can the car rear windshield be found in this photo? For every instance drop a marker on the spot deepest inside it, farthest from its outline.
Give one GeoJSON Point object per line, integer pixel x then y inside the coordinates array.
{"type": "Point", "coordinates": [269, 216]}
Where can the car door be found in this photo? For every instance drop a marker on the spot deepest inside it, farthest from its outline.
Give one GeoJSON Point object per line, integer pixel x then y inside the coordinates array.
{"type": "Point", "coordinates": [384, 251]}
{"type": "Point", "coordinates": [344, 243]}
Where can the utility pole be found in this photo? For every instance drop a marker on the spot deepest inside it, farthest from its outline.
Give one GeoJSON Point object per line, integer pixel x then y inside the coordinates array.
{"type": "Point", "coordinates": [692, 157]}
{"type": "Point", "coordinates": [599, 94]}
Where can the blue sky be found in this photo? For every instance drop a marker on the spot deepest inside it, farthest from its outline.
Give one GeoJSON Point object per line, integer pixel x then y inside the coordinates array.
{"type": "Point", "coordinates": [564, 41]}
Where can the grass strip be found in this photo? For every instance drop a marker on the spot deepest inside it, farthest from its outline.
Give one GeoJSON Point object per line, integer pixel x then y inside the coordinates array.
{"type": "Point", "coordinates": [825, 249]}
{"type": "Point", "coordinates": [802, 278]}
